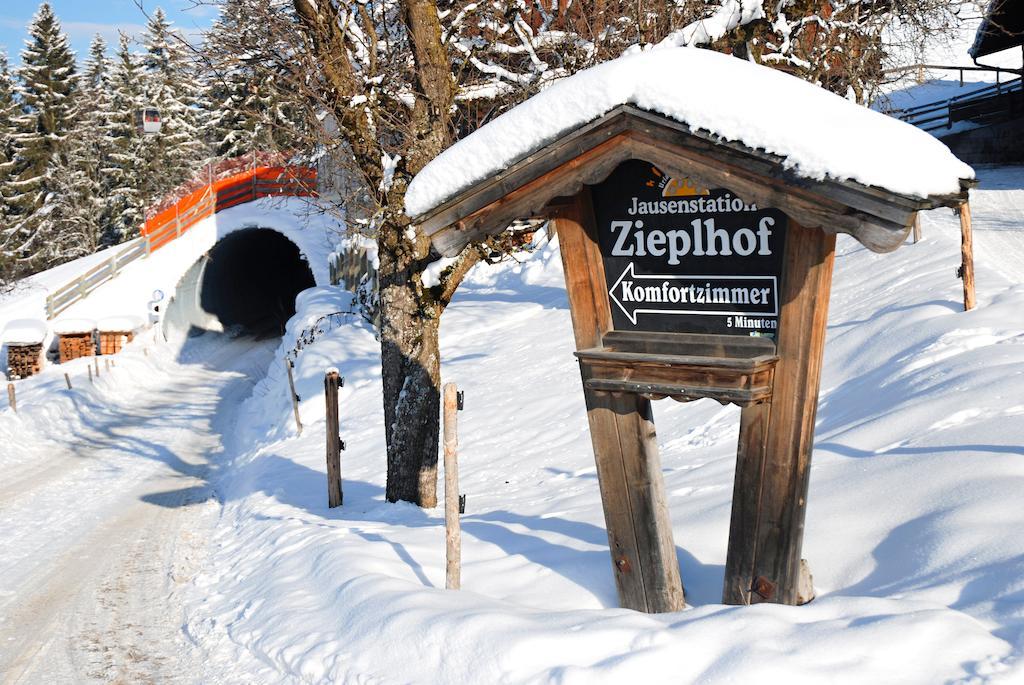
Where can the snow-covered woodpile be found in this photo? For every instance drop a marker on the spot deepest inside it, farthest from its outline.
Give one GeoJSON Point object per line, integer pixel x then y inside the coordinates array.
{"type": "Point", "coordinates": [24, 360]}
{"type": "Point", "coordinates": [76, 338]}
{"type": "Point", "coordinates": [76, 345]}
{"type": "Point", "coordinates": [117, 331]}
{"type": "Point", "coordinates": [111, 342]}
{"type": "Point", "coordinates": [24, 341]}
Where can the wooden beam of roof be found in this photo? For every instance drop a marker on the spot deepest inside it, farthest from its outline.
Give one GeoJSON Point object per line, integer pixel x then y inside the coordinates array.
{"type": "Point", "coordinates": [879, 219]}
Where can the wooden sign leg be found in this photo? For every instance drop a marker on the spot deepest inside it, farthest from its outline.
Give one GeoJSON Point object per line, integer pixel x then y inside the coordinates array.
{"type": "Point", "coordinates": [635, 509]}
{"type": "Point", "coordinates": [625, 448]}
{"type": "Point", "coordinates": [746, 502]}
{"type": "Point", "coordinates": [776, 439]}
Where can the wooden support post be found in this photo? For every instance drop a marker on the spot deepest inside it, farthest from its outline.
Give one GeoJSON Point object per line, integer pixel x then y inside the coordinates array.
{"type": "Point", "coordinates": [67, 379]}
{"type": "Point", "coordinates": [453, 530]}
{"type": "Point", "coordinates": [776, 438]}
{"type": "Point", "coordinates": [89, 368]}
{"type": "Point", "coordinates": [12, 398]}
{"type": "Point", "coordinates": [295, 398]}
{"type": "Point", "coordinates": [746, 502]}
{"type": "Point", "coordinates": [334, 445]}
{"type": "Point", "coordinates": [106, 363]}
{"type": "Point", "coordinates": [635, 507]}
{"type": "Point", "coordinates": [96, 363]}
{"type": "Point", "coordinates": [967, 256]}
{"type": "Point", "coordinates": [643, 552]}
{"type": "Point", "coordinates": [917, 228]}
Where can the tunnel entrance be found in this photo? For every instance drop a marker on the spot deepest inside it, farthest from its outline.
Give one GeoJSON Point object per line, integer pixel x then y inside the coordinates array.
{"type": "Point", "coordinates": [251, 280]}
{"type": "Point", "coordinates": [245, 285]}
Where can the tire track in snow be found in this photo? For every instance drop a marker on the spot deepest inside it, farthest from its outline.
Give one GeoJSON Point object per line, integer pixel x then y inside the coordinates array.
{"type": "Point", "coordinates": [105, 532]}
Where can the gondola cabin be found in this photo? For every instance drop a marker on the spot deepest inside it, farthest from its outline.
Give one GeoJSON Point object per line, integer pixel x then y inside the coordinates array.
{"type": "Point", "coordinates": [147, 121]}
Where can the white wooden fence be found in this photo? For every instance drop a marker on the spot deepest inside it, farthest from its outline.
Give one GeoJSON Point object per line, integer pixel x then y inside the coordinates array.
{"type": "Point", "coordinates": [65, 296]}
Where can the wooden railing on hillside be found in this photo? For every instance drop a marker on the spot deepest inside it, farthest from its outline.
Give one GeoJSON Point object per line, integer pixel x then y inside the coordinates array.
{"type": "Point", "coordinates": [65, 296]}
{"type": "Point", "coordinates": [354, 269]}
{"type": "Point", "coordinates": [172, 222]}
{"type": "Point", "coordinates": [220, 195]}
{"type": "Point", "coordinates": [985, 105]}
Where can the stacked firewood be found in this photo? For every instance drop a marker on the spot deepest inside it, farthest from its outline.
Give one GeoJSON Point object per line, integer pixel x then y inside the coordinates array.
{"type": "Point", "coordinates": [75, 345]}
{"type": "Point", "coordinates": [24, 360]}
{"type": "Point", "coordinates": [111, 342]}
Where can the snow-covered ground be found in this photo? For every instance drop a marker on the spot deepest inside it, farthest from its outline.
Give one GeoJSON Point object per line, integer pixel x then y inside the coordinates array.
{"type": "Point", "coordinates": [103, 504]}
{"type": "Point", "coordinates": [912, 529]}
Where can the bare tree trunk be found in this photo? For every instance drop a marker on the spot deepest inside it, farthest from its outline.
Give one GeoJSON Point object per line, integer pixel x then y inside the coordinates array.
{"type": "Point", "coordinates": [411, 372]}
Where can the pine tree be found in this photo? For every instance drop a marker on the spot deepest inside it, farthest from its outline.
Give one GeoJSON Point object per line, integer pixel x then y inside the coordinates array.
{"type": "Point", "coordinates": [46, 93]}
{"type": "Point", "coordinates": [126, 165]}
{"type": "Point", "coordinates": [76, 209]}
{"type": "Point", "coordinates": [173, 155]}
{"type": "Point", "coordinates": [249, 107]}
{"type": "Point", "coordinates": [8, 110]}
{"type": "Point", "coordinates": [68, 218]}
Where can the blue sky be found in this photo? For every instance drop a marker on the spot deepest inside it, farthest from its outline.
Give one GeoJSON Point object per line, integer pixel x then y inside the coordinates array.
{"type": "Point", "coordinates": [81, 19]}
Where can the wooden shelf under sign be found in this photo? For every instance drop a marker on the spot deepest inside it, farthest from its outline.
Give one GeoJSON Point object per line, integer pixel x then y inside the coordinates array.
{"type": "Point", "coordinates": [730, 370]}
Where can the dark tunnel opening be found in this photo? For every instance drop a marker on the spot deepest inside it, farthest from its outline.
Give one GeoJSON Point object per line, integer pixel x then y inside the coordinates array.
{"type": "Point", "coordinates": [250, 282]}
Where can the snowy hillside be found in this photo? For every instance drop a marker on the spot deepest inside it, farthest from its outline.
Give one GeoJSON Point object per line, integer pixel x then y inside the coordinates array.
{"type": "Point", "coordinates": [912, 530]}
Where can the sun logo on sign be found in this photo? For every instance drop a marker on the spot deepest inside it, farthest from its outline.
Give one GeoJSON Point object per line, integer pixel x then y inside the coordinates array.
{"type": "Point", "coordinates": [675, 187]}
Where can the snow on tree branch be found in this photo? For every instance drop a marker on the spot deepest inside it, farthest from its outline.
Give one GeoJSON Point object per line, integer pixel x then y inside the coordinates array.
{"type": "Point", "coordinates": [728, 16]}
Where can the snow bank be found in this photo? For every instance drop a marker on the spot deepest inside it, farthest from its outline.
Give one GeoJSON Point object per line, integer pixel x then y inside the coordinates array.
{"type": "Point", "coordinates": [24, 332]}
{"type": "Point", "coordinates": [820, 135]}
{"type": "Point", "coordinates": [119, 324]}
{"type": "Point", "coordinates": [69, 326]}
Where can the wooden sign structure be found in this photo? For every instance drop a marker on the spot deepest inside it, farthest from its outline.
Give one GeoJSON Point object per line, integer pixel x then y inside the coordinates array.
{"type": "Point", "coordinates": [695, 268]}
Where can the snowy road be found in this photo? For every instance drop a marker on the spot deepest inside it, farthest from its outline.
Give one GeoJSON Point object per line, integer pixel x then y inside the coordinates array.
{"type": "Point", "coordinates": [104, 526]}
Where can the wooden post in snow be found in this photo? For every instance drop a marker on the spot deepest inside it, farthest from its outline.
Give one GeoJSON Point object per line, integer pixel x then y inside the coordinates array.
{"type": "Point", "coordinates": [96, 363]}
{"type": "Point", "coordinates": [67, 379]}
{"type": "Point", "coordinates": [917, 228]}
{"type": "Point", "coordinates": [332, 381]}
{"type": "Point", "coordinates": [12, 398]}
{"type": "Point", "coordinates": [453, 529]}
{"type": "Point", "coordinates": [967, 255]}
{"type": "Point", "coordinates": [295, 398]}
{"type": "Point", "coordinates": [89, 368]}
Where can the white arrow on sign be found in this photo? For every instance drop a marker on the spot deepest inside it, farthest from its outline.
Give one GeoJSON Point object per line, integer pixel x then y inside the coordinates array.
{"type": "Point", "coordinates": [660, 301]}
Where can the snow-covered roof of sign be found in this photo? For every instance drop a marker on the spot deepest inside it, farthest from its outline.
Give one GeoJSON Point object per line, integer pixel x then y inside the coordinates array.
{"type": "Point", "coordinates": [24, 332]}
{"type": "Point", "coordinates": [817, 134]}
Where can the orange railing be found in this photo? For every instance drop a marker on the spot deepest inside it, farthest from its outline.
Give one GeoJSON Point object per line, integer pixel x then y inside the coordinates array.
{"type": "Point", "coordinates": [223, 194]}
{"type": "Point", "coordinates": [176, 219]}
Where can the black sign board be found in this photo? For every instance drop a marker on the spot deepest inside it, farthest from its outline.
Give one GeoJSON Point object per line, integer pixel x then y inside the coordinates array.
{"type": "Point", "coordinates": [682, 259]}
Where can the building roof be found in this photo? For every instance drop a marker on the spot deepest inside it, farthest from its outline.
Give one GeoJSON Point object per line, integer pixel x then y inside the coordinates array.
{"type": "Point", "coordinates": [1002, 28]}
